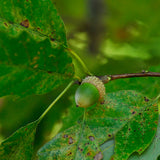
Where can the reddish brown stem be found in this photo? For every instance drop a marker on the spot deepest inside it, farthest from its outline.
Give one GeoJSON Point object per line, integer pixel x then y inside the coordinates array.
{"type": "Point", "coordinates": [108, 78]}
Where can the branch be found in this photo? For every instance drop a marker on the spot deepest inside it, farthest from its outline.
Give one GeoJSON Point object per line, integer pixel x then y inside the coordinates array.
{"type": "Point", "coordinates": [108, 78]}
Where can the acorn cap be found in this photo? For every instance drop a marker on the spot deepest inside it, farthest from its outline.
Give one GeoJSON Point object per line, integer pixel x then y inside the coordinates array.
{"type": "Point", "coordinates": [97, 83]}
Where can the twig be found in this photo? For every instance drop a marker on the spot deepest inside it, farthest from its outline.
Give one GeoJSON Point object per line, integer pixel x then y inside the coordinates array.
{"type": "Point", "coordinates": [108, 78]}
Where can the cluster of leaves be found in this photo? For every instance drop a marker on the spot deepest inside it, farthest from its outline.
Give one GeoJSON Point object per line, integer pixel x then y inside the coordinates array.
{"type": "Point", "coordinates": [35, 59]}
{"type": "Point", "coordinates": [126, 118]}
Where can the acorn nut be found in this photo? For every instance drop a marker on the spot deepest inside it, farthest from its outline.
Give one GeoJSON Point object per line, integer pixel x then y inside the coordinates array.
{"type": "Point", "coordinates": [90, 92]}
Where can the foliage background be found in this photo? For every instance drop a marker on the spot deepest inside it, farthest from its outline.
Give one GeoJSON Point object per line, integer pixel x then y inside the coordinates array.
{"type": "Point", "coordinates": [123, 37]}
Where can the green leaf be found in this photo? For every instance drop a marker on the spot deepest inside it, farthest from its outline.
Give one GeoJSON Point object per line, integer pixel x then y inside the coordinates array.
{"type": "Point", "coordinates": [138, 133]}
{"type": "Point", "coordinates": [153, 151]}
{"type": "Point", "coordinates": [29, 62]}
{"type": "Point", "coordinates": [14, 114]}
{"type": "Point", "coordinates": [77, 142]}
{"type": "Point", "coordinates": [36, 16]}
{"type": "Point", "coordinates": [104, 121]}
{"type": "Point", "coordinates": [20, 144]}
{"type": "Point", "coordinates": [117, 111]}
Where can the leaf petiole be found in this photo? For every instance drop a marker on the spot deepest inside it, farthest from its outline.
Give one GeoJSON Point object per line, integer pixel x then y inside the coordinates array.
{"type": "Point", "coordinates": [52, 104]}
{"type": "Point", "coordinates": [80, 61]}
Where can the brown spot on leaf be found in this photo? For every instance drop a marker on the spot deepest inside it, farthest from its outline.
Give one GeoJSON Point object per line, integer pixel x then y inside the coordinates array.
{"type": "Point", "coordinates": [156, 122]}
{"type": "Point", "coordinates": [109, 135]}
{"type": "Point", "coordinates": [5, 24]}
{"type": "Point", "coordinates": [133, 112]}
{"type": "Point", "coordinates": [49, 72]}
{"type": "Point", "coordinates": [36, 66]}
{"type": "Point", "coordinates": [52, 39]}
{"type": "Point", "coordinates": [36, 58]}
{"type": "Point", "coordinates": [153, 129]}
{"type": "Point", "coordinates": [102, 102]}
{"type": "Point", "coordinates": [98, 156]}
{"type": "Point", "coordinates": [80, 149]}
{"type": "Point", "coordinates": [25, 23]}
{"type": "Point", "coordinates": [146, 99]}
{"type": "Point", "coordinates": [91, 138]}
{"type": "Point", "coordinates": [69, 153]}
{"type": "Point", "coordinates": [65, 136]}
{"type": "Point", "coordinates": [89, 153]}
{"type": "Point", "coordinates": [140, 150]}
{"type": "Point", "coordinates": [86, 144]}
{"type": "Point", "coordinates": [70, 141]}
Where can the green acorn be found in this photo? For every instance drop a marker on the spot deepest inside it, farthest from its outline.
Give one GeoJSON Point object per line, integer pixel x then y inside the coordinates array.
{"type": "Point", "coordinates": [90, 91]}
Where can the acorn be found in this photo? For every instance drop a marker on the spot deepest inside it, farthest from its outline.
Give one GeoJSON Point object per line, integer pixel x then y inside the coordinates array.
{"type": "Point", "coordinates": [90, 92]}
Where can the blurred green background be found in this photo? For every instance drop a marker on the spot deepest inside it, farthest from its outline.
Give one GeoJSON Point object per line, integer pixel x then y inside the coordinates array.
{"type": "Point", "coordinates": [111, 37]}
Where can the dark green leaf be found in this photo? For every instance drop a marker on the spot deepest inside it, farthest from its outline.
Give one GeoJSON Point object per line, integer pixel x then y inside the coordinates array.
{"type": "Point", "coordinates": [29, 62]}
{"type": "Point", "coordinates": [35, 16]}
{"type": "Point", "coordinates": [153, 151]}
{"type": "Point", "coordinates": [20, 144]}
{"type": "Point", "coordinates": [138, 133]}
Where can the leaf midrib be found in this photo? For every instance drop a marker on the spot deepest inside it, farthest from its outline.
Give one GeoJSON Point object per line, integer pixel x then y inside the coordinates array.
{"type": "Point", "coordinates": [16, 25]}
